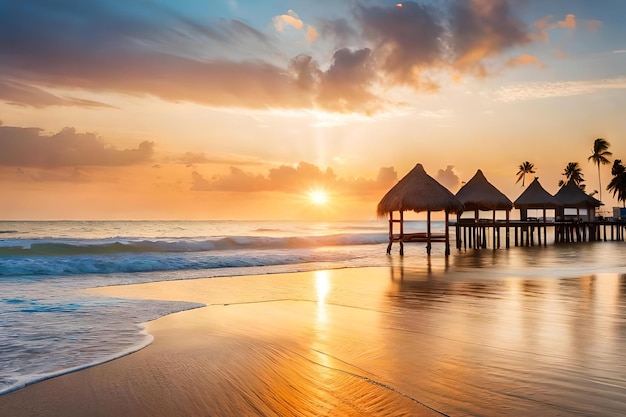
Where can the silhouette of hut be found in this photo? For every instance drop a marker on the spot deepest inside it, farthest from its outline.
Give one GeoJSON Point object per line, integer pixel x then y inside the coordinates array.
{"type": "Point", "coordinates": [418, 192]}
{"type": "Point", "coordinates": [536, 197]}
{"type": "Point", "coordinates": [580, 204]}
{"type": "Point", "coordinates": [479, 194]}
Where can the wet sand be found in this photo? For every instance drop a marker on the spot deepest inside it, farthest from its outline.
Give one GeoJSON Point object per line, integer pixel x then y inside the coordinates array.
{"type": "Point", "coordinates": [361, 342]}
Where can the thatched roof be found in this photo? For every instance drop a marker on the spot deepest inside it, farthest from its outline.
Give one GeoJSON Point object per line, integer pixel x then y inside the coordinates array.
{"type": "Point", "coordinates": [570, 195]}
{"type": "Point", "coordinates": [418, 191]}
{"type": "Point", "coordinates": [480, 194]}
{"type": "Point", "coordinates": [535, 197]}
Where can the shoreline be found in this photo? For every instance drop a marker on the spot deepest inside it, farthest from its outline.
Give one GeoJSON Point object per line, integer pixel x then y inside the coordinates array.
{"type": "Point", "coordinates": [149, 382]}
{"type": "Point", "coordinates": [393, 340]}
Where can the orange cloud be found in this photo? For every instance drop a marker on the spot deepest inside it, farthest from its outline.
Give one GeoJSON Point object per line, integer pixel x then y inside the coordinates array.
{"type": "Point", "coordinates": [293, 180]}
{"type": "Point", "coordinates": [568, 23]}
{"type": "Point", "coordinates": [311, 34]}
{"type": "Point", "coordinates": [291, 19]}
{"type": "Point", "coordinates": [525, 60]}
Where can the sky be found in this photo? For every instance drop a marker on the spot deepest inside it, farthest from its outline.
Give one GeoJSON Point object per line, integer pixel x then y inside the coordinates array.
{"type": "Point", "coordinates": [250, 110]}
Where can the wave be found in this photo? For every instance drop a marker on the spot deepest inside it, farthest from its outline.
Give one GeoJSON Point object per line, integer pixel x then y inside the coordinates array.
{"type": "Point", "coordinates": [63, 257]}
{"type": "Point", "coordinates": [62, 247]}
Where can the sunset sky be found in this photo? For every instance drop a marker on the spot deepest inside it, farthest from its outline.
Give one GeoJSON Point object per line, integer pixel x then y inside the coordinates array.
{"type": "Point", "coordinates": [240, 109]}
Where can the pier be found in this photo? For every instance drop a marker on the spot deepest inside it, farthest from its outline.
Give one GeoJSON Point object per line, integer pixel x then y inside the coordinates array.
{"type": "Point", "coordinates": [566, 217]}
{"type": "Point", "coordinates": [487, 233]}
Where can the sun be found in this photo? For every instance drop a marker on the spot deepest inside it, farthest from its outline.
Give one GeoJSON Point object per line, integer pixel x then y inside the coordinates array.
{"type": "Point", "coordinates": [318, 197]}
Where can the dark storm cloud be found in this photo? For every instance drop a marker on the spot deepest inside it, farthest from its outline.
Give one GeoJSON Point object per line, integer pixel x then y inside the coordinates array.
{"type": "Point", "coordinates": [28, 147]}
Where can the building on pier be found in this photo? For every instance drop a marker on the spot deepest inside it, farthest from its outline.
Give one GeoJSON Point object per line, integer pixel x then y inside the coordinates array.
{"type": "Point", "coordinates": [417, 191]}
{"type": "Point", "coordinates": [577, 205]}
{"type": "Point", "coordinates": [478, 195]}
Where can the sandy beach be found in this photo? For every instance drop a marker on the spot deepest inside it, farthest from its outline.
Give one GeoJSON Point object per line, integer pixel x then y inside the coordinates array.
{"type": "Point", "coordinates": [383, 341]}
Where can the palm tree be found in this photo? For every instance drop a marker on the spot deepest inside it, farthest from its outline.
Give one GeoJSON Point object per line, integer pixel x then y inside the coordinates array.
{"type": "Point", "coordinates": [525, 168]}
{"type": "Point", "coordinates": [599, 156]}
{"type": "Point", "coordinates": [618, 182]}
{"type": "Point", "coordinates": [573, 172]}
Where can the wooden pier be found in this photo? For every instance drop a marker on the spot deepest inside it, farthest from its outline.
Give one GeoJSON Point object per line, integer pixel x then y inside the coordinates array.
{"type": "Point", "coordinates": [475, 235]}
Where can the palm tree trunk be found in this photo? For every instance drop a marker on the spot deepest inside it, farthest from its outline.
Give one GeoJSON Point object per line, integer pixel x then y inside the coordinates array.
{"type": "Point", "coordinates": [599, 182]}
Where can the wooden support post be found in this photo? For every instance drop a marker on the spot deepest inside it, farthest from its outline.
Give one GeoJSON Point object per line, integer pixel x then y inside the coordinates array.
{"type": "Point", "coordinates": [390, 232]}
{"type": "Point", "coordinates": [465, 237]}
{"type": "Point", "coordinates": [494, 229]}
{"type": "Point", "coordinates": [545, 228]}
{"type": "Point", "coordinates": [457, 232]}
{"type": "Point", "coordinates": [401, 233]}
{"type": "Point", "coordinates": [508, 234]}
{"type": "Point", "coordinates": [539, 235]}
{"type": "Point", "coordinates": [447, 235]}
{"type": "Point", "coordinates": [428, 232]}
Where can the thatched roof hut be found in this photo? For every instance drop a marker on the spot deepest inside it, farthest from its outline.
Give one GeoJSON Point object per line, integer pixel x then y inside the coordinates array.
{"type": "Point", "coordinates": [536, 197]}
{"type": "Point", "coordinates": [571, 196]}
{"type": "Point", "coordinates": [418, 192]}
{"type": "Point", "coordinates": [480, 194]}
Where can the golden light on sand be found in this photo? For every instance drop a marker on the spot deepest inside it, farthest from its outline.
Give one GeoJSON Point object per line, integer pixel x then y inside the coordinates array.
{"type": "Point", "coordinates": [318, 197]}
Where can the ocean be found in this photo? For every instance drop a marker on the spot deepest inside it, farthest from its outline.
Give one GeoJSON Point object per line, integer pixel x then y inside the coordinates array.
{"type": "Point", "coordinates": [50, 326]}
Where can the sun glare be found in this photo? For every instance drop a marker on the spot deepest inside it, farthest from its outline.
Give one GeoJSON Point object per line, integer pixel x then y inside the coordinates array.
{"type": "Point", "coordinates": [318, 197]}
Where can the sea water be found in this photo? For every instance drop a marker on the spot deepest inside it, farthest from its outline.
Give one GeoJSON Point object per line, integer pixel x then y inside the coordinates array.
{"type": "Point", "coordinates": [48, 327]}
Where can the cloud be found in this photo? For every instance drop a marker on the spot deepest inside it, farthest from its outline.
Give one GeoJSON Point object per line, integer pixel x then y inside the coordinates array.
{"type": "Point", "coordinates": [143, 49]}
{"type": "Point", "coordinates": [387, 176]}
{"type": "Point", "coordinates": [291, 19]}
{"type": "Point", "coordinates": [28, 147]}
{"type": "Point", "coordinates": [311, 34]}
{"type": "Point", "coordinates": [570, 21]}
{"type": "Point", "coordinates": [25, 95]}
{"type": "Point", "coordinates": [448, 178]}
{"type": "Point", "coordinates": [339, 31]}
{"type": "Point", "coordinates": [237, 180]}
{"type": "Point", "coordinates": [483, 29]}
{"type": "Point", "coordinates": [345, 87]}
{"type": "Point", "coordinates": [540, 90]}
{"type": "Point", "coordinates": [593, 25]}
{"type": "Point", "coordinates": [407, 41]}
{"type": "Point", "coordinates": [524, 60]}
{"type": "Point", "coordinates": [192, 158]}
{"type": "Point", "coordinates": [293, 180]}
